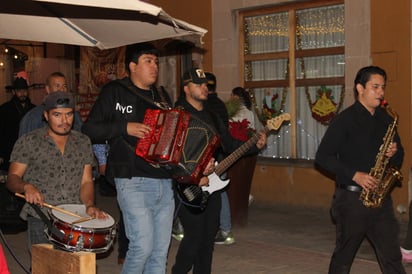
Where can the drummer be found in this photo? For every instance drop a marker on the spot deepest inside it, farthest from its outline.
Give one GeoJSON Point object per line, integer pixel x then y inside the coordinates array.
{"type": "Point", "coordinates": [53, 165]}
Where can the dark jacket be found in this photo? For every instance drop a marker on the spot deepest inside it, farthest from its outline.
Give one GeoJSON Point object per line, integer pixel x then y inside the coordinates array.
{"type": "Point", "coordinates": [216, 105]}
{"type": "Point", "coordinates": [11, 113]}
{"type": "Point", "coordinates": [114, 108]}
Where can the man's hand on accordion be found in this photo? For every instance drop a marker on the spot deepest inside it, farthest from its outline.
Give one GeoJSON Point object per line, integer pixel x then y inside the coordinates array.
{"type": "Point", "coordinates": [210, 168]}
{"type": "Point", "coordinates": [138, 130]}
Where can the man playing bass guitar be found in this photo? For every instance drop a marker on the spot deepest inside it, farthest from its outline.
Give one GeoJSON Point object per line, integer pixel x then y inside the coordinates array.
{"type": "Point", "coordinates": [200, 226]}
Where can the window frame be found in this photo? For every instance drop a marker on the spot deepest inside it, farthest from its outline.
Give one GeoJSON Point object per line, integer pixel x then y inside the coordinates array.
{"type": "Point", "coordinates": [292, 55]}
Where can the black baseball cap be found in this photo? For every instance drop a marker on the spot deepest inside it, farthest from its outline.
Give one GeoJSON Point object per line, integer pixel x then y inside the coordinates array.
{"type": "Point", "coordinates": [194, 75]}
{"type": "Point", "coordinates": [58, 99]}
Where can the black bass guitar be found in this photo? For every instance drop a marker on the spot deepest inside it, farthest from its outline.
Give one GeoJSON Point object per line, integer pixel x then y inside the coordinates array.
{"type": "Point", "coordinates": [196, 196]}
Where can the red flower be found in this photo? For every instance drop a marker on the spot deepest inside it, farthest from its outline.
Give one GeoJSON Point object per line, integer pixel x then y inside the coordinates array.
{"type": "Point", "coordinates": [240, 130]}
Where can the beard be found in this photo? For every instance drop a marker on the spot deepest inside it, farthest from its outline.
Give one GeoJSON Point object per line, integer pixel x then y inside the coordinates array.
{"type": "Point", "coordinates": [198, 98]}
{"type": "Point", "coordinates": [22, 99]}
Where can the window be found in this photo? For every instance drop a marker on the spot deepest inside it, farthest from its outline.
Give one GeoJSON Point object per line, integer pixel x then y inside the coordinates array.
{"type": "Point", "coordinates": [293, 61]}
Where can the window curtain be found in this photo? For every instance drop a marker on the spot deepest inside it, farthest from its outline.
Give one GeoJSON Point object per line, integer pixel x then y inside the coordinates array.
{"type": "Point", "coordinates": [316, 28]}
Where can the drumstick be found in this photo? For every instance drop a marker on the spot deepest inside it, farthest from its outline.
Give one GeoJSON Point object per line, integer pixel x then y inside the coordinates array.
{"type": "Point", "coordinates": [84, 219]}
{"type": "Point", "coordinates": [54, 207]}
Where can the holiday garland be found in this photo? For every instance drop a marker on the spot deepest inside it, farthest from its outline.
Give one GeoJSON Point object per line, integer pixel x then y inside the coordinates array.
{"type": "Point", "coordinates": [323, 109]}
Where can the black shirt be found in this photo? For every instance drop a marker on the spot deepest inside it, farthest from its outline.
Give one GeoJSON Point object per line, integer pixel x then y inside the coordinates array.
{"type": "Point", "coordinates": [11, 113]}
{"type": "Point", "coordinates": [352, 142]}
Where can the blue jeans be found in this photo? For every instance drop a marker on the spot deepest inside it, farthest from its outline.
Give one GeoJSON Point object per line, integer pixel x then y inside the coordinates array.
{"type": "Point", "coordinates": [147, 206]}
{"type": "Point", "coordinates": [100, 151]}
{"type": "Point", "coordinates": [225, 218]}
{"type": "Point", "coordinates": [36, 232]}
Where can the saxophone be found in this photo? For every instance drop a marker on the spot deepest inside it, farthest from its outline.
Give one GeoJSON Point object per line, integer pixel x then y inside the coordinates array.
{"type": "Point", "coordinates": [385, 176]}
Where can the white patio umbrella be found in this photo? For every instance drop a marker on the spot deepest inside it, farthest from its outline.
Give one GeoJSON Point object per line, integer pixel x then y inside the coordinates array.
{"type": "Point", "coordinates": [98, 23]}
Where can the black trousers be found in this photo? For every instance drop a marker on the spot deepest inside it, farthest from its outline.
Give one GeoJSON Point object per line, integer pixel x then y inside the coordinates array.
{"type": "Point", "coordinates": [200, 228]}
{"type": "Point", "coordinates": [354, 222]}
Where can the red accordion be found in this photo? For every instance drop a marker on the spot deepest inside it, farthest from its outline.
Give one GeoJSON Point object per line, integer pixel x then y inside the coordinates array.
{"type": "Point", "coordinates": [178, 141]}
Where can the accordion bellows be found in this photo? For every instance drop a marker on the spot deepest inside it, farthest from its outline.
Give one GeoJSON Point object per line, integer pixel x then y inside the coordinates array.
{"type": "Point", "coordinates": [178, 141]}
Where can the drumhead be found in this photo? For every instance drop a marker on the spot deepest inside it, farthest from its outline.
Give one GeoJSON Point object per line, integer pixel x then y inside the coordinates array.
{"type": "Point", "coordinates": [81, 210]}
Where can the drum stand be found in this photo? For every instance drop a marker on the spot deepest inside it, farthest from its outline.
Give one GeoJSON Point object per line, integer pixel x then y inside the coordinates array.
{"type": "Point", "coordinates": [69, 262]}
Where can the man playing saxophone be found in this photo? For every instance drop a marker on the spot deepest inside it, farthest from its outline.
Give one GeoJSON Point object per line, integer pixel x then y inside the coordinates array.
{"type": "Point", "coordinates": [349, 150]}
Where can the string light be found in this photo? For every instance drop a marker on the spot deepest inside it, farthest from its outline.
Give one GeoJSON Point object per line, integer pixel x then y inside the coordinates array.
{"type": "Point", "coordinates": [15, 54]}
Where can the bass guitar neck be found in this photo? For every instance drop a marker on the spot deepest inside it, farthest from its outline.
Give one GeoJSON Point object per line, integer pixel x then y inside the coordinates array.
{"type": "Point", "coordinates": [197, 196]}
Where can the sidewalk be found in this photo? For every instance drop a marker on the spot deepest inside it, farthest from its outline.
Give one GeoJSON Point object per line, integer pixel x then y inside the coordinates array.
{"type": "Point", "coordinates": [276, 240]}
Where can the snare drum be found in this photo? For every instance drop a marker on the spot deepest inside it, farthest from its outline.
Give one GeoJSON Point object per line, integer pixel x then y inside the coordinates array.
{"type": "Point", "coordinates": [92, 235]}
